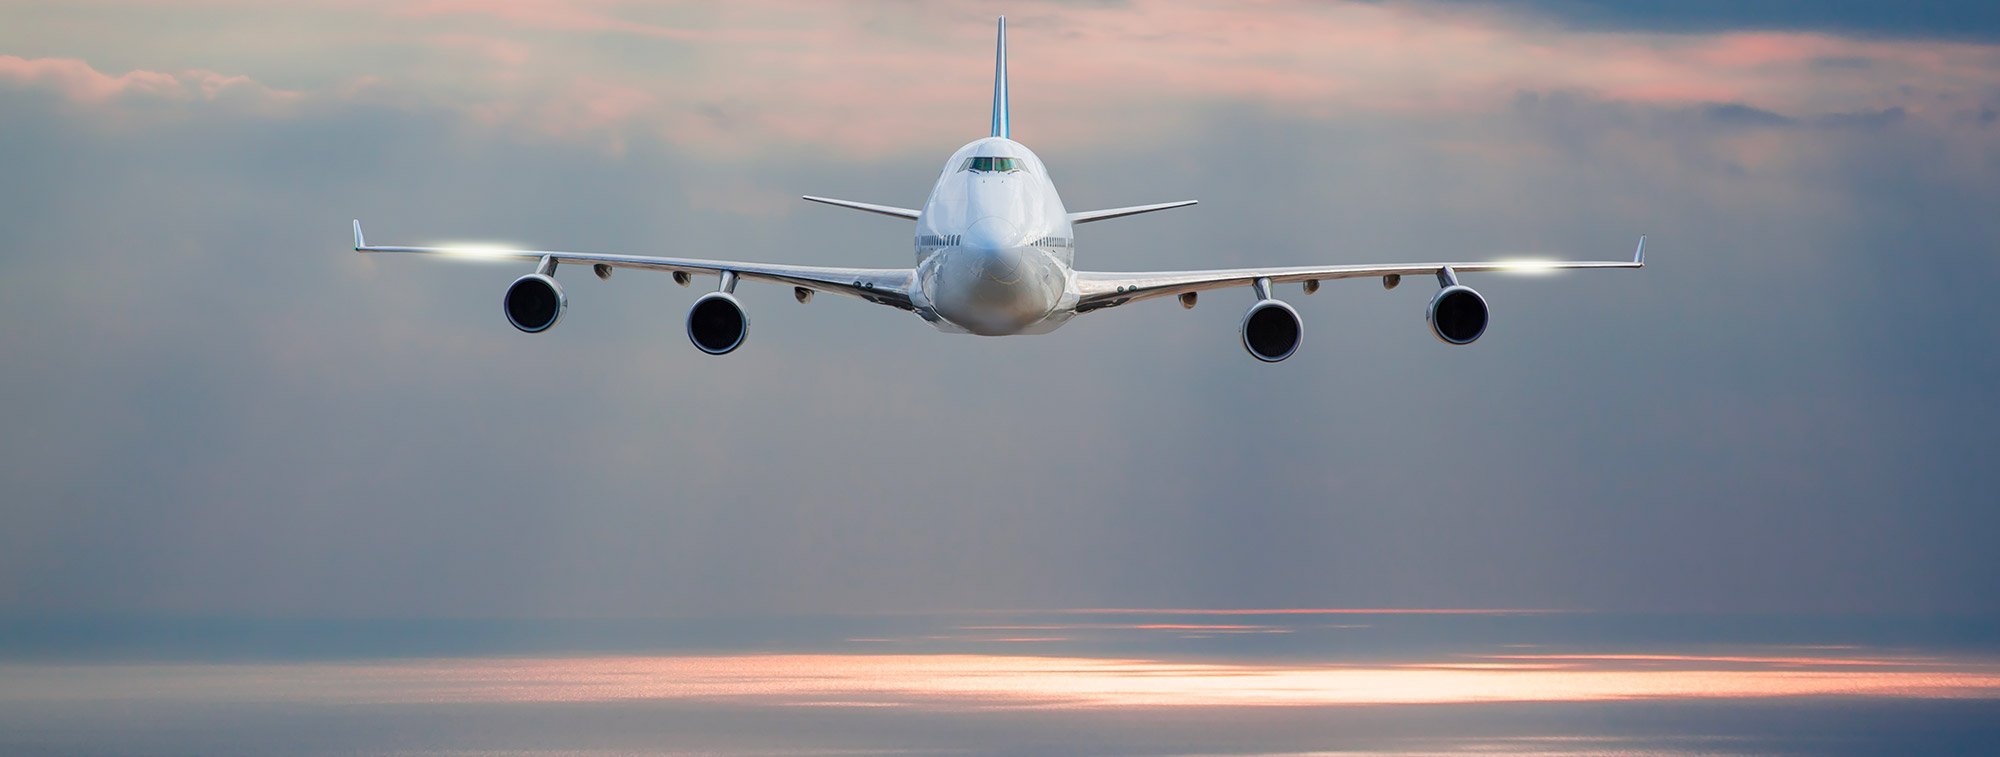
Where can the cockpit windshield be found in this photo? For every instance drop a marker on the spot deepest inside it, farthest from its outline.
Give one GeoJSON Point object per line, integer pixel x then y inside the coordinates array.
{"type": "Point", "coordinates": [1002, 165]}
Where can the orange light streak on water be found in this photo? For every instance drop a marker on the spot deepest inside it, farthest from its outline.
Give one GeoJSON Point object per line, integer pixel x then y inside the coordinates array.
{"type": "Point", "coordinates": [995, 681]}
{"type": "Point", "coordinates": [1729, 659]}
{"type": "Point", "coordinates": [1216, 627]}
{"type": "Point", "coordinates": [1307, 611]}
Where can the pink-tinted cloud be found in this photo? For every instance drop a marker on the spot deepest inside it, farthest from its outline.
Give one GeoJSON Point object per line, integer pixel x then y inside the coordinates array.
{"type": "Point", "coordinates": [745, 77]}
{"type": "Point", "coordinates": [580, 15]}
{"type": "Point", "coordinates": [500, 52]}
{"type": "Point", "coordinates": [1089, 73]}
{"type": "Point", "coordinates": [77, 81]}
{"type": "Point", "coordinates": [605, 16]}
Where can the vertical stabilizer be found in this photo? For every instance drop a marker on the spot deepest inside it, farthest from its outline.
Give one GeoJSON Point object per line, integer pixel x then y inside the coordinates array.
{"type": "Point", "coordinates": [1000, 84]}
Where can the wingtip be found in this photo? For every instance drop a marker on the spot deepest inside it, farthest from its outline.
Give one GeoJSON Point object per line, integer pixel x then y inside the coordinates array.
{"type": "Point", "coordinates": [1639, 255]}
{"type": "Point", "coordinates": [359, 242]}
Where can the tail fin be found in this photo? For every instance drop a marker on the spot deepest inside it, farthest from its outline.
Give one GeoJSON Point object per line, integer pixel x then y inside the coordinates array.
{"type": "Point", "coordinates": [1000, 84]}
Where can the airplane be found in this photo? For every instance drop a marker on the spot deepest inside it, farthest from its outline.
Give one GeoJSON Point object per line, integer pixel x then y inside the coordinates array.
{"type": "Point", "coordinates": [995, 253]}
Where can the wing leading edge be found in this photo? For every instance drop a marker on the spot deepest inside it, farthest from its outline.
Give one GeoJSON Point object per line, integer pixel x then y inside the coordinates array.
{"type": "Point", "coordinates": [887, 210]}
{"type": "Point", "coordinates": [1097, 290]}
{"type": "Point", "coordinates": [1105, 215]}
{"type": "Point", "coordinates": [885, 286]}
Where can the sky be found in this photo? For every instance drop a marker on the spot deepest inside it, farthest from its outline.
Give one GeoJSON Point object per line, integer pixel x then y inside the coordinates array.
{"type": "Point", "coordinates": [214, 408]}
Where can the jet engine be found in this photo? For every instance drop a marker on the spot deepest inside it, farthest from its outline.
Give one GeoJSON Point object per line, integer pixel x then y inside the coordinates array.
{"type": "Point", "coordinates": [716, 323]}
{"type": "Point", "coordinates": [1457, 315]}
{"type": "Point", "coordinates": [1271, 330]}
{"type": "Point", "coordinates": [534, 303]}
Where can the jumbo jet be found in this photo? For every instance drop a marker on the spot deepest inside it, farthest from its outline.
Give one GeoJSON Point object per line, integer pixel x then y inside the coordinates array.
{"type": "Point", "coordinates": [995, 254]}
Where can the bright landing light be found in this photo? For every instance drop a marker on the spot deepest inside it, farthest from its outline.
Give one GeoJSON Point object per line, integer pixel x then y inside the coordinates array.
{"type": "Point", "coordinates": [481, 250]}
{"type": "Point", "coordinates": [1529, 266]}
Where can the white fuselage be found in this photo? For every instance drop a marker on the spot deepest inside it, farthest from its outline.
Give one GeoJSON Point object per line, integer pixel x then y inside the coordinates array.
{"type": "Point", "coordinates": [994, 245]}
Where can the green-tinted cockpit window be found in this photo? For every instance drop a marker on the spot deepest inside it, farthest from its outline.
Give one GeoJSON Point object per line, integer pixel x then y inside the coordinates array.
{"type": "Point", "coordinates": [994, 164]}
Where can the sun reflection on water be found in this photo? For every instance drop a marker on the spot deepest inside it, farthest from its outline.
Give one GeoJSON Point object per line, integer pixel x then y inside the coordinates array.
{"type": "Point", "coordinates": [1020, 681]}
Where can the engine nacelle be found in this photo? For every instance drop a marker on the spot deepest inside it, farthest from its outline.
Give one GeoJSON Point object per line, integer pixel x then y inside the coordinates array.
{"type": "Point", "coordinates": [534, 303]}
{"type": "Point", "coordinates": [1272, 330]}
{"type": "Point", "coordinates": [1457, 315]}
{"type": "Point", "coordinates": [716, 324]}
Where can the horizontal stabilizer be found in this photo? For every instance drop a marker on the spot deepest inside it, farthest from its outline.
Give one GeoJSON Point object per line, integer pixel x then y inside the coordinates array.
{"type": "Point", "coordinates": [1099, 215]}
{"type": "Point", "coordinates": [886, 210]}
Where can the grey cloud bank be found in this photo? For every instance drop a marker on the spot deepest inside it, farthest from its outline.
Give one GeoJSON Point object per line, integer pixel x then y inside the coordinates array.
{"type": "Point", "coordinates": [1950, 19]}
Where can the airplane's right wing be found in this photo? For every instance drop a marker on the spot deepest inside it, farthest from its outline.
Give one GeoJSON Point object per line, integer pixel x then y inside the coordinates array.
{"type": "Point", "coordinates": [1098, 290]}
{"type": "Point", "coordinates": [716, 324]}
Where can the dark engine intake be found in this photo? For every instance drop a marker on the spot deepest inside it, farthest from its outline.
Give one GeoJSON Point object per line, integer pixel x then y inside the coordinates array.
{"type": "Point", "coordinates": [1272, 330]}
{"type": "Point", "coordinates": [716, 323]}
{"type": "Point", "coordinates": [535, 303]}
{"type": "Point", "coordinates": [1457, 315]}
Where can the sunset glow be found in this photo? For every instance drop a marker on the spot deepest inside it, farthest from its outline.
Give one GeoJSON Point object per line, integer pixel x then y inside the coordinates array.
{"type": "Point", "coordinates": [969, 681]}
{"type": "Point", "coordinates": [538, 69]}
{"type": "Point", "coordinates": [1308, 611]}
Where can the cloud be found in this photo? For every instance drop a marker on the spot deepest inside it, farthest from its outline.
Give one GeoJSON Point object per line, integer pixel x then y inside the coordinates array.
{"type": "Point", "coordinates": [1950, 19]}
{"type": "Point", "coordinates": [595, 16]}
{"type": "Point", "coordinates": [1744, 115]}
{"type": "Point", "coordinates": [833, 75]}
{"type": "Point", "coordinates": [76, 81]}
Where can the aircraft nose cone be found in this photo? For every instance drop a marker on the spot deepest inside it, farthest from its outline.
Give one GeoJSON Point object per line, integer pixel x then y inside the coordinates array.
{"type": "Point", "coordinates": [991, 233]}
{"type": "Point", "coordinates": [990, 270]}
{"type": "Point", "coordinates": [993, 291]}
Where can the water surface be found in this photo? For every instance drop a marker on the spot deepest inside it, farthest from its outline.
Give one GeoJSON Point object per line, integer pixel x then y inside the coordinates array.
{"type": "Point", "coordinates": [1102, 681]}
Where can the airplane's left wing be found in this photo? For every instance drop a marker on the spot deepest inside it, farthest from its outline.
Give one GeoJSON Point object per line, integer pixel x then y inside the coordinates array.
{"type": "Point", "coordinates": [1098, 290]}
{"type": "Point", "coordinates": [885, 286]}
{"type": "Point", "coordinates": [1090, 216]}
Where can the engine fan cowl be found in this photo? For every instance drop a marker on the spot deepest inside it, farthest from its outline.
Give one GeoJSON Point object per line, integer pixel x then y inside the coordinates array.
{"type": "Point", "coordinates": [534, 303]}
{"type": "Point", "coordinates": [1271, 330]}
{"type": "Point", "coordinates": [1457, 315]}
{"type": "Point", "coordinates": [717, 324]}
